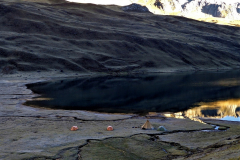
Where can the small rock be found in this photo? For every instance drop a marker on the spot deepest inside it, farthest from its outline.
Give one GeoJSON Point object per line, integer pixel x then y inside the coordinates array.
{"type": "Point", "coordinates": [222, 128]}
{"type": "Point", "coordinates": [8, 69]}
{"type": "Point", "coordinates": [135, 8]}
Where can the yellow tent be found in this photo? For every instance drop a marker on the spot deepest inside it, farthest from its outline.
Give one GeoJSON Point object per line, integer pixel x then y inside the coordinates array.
{"type": "Point", "coordinates": [147, 125]}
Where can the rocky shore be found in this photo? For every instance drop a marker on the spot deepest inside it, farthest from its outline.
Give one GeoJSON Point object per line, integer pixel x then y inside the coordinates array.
{"type": "Point", "coordinates": [38, 133]}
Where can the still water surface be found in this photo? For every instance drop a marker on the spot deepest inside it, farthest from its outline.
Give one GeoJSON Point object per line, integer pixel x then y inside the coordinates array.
{"type": "Point", "coordinates": [201, 94]}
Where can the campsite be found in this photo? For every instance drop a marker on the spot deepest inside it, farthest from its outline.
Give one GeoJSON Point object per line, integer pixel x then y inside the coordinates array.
{"type": "Point", "coordinates": [110, 81]}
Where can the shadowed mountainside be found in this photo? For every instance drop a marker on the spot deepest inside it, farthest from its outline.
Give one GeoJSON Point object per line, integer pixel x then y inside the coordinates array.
{"type": "Point", "coordinates": [62, 36]}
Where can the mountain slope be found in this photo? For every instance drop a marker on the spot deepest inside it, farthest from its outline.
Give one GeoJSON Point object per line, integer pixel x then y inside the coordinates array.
{"type": "Point", "coordinates": [216, 11]}
{"type": "Point", "coordinates": [197, 8]}
{"type": "Point", "coordinates": [86, 38]}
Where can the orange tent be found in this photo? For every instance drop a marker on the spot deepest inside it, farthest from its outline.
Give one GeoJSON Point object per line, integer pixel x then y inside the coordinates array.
{"type": "Point", "coordinates": [110, 128]}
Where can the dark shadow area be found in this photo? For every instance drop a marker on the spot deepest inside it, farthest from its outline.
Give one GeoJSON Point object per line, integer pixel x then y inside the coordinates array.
{"type": "Point", "coordinates": [137, 94]}
{"type": "Point", "coordinates": [185, 4]}
{"type": "Point", "coordinates": [238, 109]}
{"type": "Point", "coordinates": [212, 9]}
{"type": "Point", "coordinates": [238, 10]}
{"type": "Point", "coordinates": [158, 4]}
{"type": "Point", "coordinates": [210, 113]}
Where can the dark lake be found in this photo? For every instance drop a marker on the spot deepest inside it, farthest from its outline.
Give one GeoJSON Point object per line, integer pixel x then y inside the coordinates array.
{"type": "Point", "coordinates": [141, 93]}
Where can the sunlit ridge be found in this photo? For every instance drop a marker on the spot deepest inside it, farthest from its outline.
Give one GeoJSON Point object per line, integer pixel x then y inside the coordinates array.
{"type": "Point", "coordinates": [105, 2]}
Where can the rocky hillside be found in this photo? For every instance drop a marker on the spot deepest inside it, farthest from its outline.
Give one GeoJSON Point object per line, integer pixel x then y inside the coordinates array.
{"type": "Point", "coordinates": [195, 8]}
{"type": "Point", "coordinates": [59, 36]}
{"type": "Point", "coordinates": [206, 10]}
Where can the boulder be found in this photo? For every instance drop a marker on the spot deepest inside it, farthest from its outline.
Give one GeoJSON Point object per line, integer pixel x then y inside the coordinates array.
{"type": "Point", "coordinates": [135, 8]}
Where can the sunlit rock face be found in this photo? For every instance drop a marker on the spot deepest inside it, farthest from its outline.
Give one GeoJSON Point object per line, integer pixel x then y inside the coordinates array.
{"type": "Point", "coordinates": [105, 2]}
{"type": "Point", "coordinates": [188, 8]}
{"type": "Point", "coordinates": [216, 11]}
{"type": "Point", "coordinates": [195, 8]}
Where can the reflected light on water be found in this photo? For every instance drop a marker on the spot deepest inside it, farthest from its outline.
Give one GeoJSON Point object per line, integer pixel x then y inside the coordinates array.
{"type": "Point", "coordinates": [40, 99]}
{"type": "Point", "coordinates": [231, 82]}
{"type": "Point", "coordinates": [181, 115]}
{"type": "Point", "coordinates": [228, 82]}
{"type": "Point", "coordinates": [229, 118]}
{"type": "Point", "coordinates": [223, 109]}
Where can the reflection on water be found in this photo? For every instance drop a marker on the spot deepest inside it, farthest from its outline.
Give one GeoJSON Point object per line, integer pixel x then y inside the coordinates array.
{"type": "Point", "coordinates": [222, 109]}
{"type": "Point", "coordinates": [229, 118]}
{"type": "Point", "coordinates": [145, 93]}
